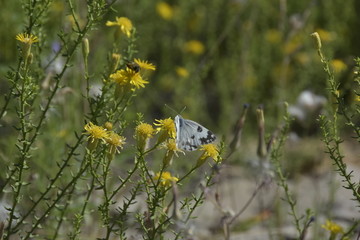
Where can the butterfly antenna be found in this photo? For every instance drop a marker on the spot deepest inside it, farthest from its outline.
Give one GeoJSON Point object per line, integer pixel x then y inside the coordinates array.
{"type": "Point", "coordinates": [171, 109]}
{"type": "Point", "coordinates": [183, 109]}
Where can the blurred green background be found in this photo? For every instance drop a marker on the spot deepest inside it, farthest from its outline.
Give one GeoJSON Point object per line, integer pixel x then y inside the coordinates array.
{"type": "Point", "coordinates": [211, 56]}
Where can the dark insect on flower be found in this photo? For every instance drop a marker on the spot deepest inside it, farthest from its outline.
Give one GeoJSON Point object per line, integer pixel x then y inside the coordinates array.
{"type": "Point", "coordinates": [133, 66]}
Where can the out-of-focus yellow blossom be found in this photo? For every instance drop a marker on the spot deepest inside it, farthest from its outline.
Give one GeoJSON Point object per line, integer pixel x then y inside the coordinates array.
{"type": "Point", "coordinates": [124, 24]}
{"type": "Point", "coordinates": [273, 36]}
{"type": "Point", "coordinates": [182, 72]}
{"type": "Point", "coordinates": [165, 179]}
{"type": "Point", "coordinates": [145, 64]}
{"type": "Point", "coordinates": [195, 47]}
{"type": "Point", "coordinates": [143, 132]}
{"type": "Point", "coordinates": [209, 151]}
{"type": "Point", "coordinates": [326, 36]}
{"type": "Point", "coordinates": [332, 227]}
{"type": "Point", "coordinates": [71, 23]}
{"type": "Point", "coordinates": [95, 133]}
{"type": "Point", "coordinates": [357, 98]}
{"type": "Point", "coordinates": [165, 10]}
{"type": "Point", "coordinates": [167, 129]}
{"type": "Point", "coordinates": [338, 65]}
{"type": "Point", "coordinates": [292, 45]}
{"type": "Point", "coordinates": [302, 58]}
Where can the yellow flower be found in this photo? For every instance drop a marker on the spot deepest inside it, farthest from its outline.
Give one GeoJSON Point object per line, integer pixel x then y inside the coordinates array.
{"type": "Point", "coordinates": [182, 72]}
{"type": "Point", "coordinates": [170, 145]}
{"type": "Point", "coordinates": [195, 47]}
{"type": "Point", "coordinates": [338, 65]}
{"type": "Point", "coordinates": [165, 179]}
{"type": "Point", "coordinates": [167, 127]}
{"type": "Point", "coordinates": [127, 79]}
{"type": "Point", "coordinates": [165, 10]}
{"type": "Point", "coordinates": [209, 151]}
{"type": "Point", "coordinates": [143, 132]}
{"type": "Point", "coordinates": [172, 150]}
{"type": "Point", "coordinates": [145, 64]}
{"type": "Point", "coordinates": [357, 98]}
{"type": "Point", "coordinates": [95, 133]}
{"type": "Point", "coordinates": [115, 141]}
{"type": "Point", "coordinates": [119, 77]}
{"type": "Point", "coordinates": [27, 38]}
{"type": "Point", "coordinates": [135, 79]}
{"type": "Point", "coordinates": [332, 227]}
{"type": "Point", "coordinates": [124, 24]}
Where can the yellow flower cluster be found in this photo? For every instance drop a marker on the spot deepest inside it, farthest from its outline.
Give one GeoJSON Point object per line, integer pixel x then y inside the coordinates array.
{"type": "Point", "coordinates": [98, 133]}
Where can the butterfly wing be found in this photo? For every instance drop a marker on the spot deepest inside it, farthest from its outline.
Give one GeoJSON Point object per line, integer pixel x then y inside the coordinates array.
{"type": "Point", "coordinates": [190, 135]}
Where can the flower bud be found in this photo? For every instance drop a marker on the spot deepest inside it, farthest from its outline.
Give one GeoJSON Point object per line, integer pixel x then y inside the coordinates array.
{"type": "Point", "coordinates": [317, 39]}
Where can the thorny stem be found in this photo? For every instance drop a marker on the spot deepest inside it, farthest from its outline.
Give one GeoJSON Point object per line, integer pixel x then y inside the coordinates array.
{"type": "Point", "coordinates": [51, 184]}
{"type": "Point", "coordinates": [59, 196]}
{"type": "Point", "coordinates": [63, 211]}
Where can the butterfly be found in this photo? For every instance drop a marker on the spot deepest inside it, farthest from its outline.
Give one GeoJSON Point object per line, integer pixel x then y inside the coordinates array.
{"type": "Point", "coordinates": [190, 135]}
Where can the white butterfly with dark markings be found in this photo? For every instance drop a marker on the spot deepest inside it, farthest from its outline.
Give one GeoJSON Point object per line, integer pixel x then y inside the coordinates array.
{"type": "Point", "coordinates": [190, 135]}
